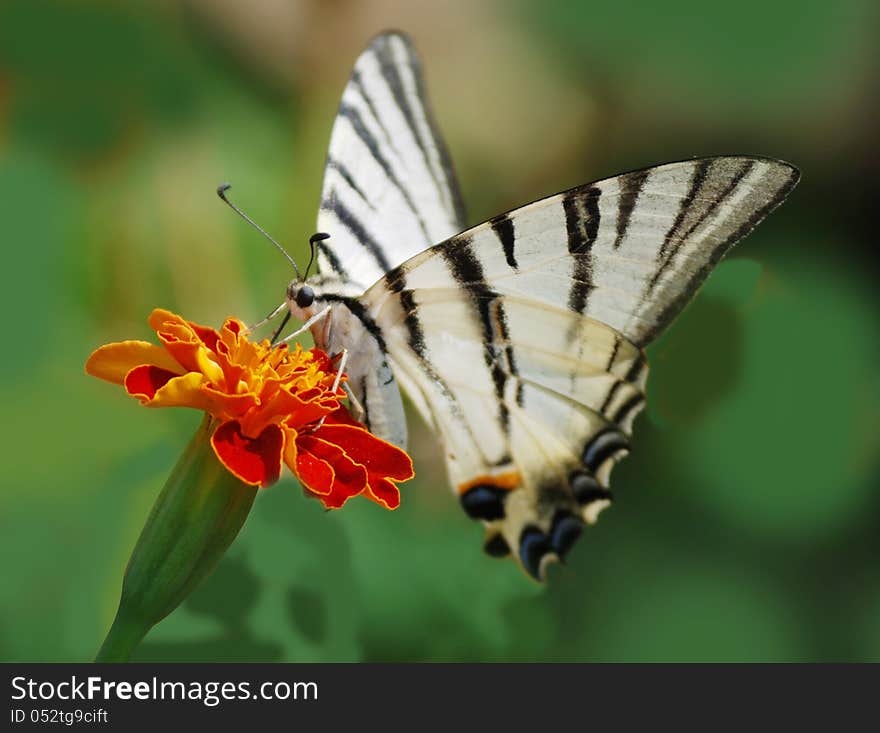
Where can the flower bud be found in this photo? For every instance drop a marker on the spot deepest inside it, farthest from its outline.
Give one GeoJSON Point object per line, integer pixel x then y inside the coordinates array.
{"type": "Point", "coordinates": [195, 518]}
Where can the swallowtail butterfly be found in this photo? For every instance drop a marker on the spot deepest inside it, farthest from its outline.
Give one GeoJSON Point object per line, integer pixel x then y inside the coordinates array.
{"type": "Point", "coordinates": [520, 340]}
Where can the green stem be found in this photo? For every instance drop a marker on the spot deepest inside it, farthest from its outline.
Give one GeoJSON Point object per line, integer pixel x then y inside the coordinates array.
{"type": "Point", "coordinates": [196, 517]}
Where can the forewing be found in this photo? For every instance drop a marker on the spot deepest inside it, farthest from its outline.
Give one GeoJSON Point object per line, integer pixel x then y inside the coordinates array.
{"type": "Point", "coordinates": [389, 191]}
{"type": "Point", "coordinates": [629, 251]}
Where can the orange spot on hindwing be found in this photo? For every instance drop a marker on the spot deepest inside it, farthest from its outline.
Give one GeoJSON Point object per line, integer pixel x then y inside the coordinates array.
{"type": "Point", "coordinates": [508, 480]}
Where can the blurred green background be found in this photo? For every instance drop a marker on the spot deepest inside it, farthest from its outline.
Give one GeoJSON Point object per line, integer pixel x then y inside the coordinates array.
{"type": "Point", "coordinates": [747, 521]}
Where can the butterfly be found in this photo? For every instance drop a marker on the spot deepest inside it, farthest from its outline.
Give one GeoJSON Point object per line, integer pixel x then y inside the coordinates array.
{"type": "Point", "coordinates": [520, 341]}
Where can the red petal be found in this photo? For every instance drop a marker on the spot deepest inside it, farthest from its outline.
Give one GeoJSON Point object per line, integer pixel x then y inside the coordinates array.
{"type": "Point", "coordinates": [208, 335]}
{"type": "Point", "coordinates": [349, 478]}
{"type": "Point", "coordinates": [325, 363]}
{"type": "Point", "coordinates": [234, 326]}
{"type": "Point", "coordinates": [256, 461]}
{"type": "Point", "coordinates": [383, 492]}
{"type": "Point", "coordinates": [316, 475]}
{"type": "Point", "coordinates": [342, 416]}
{"type": "Point", "coordinates": [379, 457]}
{"type": "Point", "coordinates": [144, 381]}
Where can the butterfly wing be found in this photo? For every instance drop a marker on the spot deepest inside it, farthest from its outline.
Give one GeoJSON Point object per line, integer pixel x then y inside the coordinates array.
{"type": "Point", "coordinates": [521, 340]}
{"type": "Point", "coordinates": [389, 191]}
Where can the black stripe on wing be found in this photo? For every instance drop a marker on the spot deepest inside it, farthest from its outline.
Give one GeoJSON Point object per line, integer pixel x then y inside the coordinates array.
{"type": "Point", "coordinates": [333, 262]}
{"type": "Point", "coordinates": [395, 282]}
{"type": "Point", "coordinates": [697, 182]}
{"type": "Point", "coordinates": [468, 273]}
{"type": "Point", "coordinates": [665, 257]}
{"type": "Point", "coordinates": [502, 225]}
{"type": "Point", "coordinates": [369, 140]}
{"type": "Point", "coordinates": [359, 311]}
{"type": "Point", "coordinates": [391, 75]}
{"type": "Point", "coordinates": [358, 83]}
{"type": "Point", "coordinates": [357, 229]}
{"type": "Point", "coordinates": [630, 187]}
{"type": "Point", "coordinates": [676, 304]}
{"type": "Point", "coordinates": [581, 208]}
{"type": "Point", "coordinates": [346, 176]}
{"type": "Point", "coordinates": [449, 189]}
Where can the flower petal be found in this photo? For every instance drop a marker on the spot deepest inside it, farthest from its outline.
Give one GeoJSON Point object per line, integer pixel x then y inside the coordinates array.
{"type": "Point", "coordinates": [190, 344]}
{"type": "Point", "coordinates": [349, 478]}
{"type": "Point", "coordinates": [113, 361]}
{"type": "Point", "coordinates": [290, 451]}
{"type": "Point", "coordinates": [378, 456]}
{"type": "Point", "coordinates": [385, 463]}
{"type": "Point", "coordinates": [261, 396]}
{"type": "Point", "coordinates": [302, 407]}
{"type": "Point", "coordinates": [161, 319]}
{"type": "Point", "coordinates": [144, 381]}
{"type": "Point", "coordinates": [383, 492]}
{"type": "Point", "coordinates": [315, 475]}
{"type": "Point", "coordinates": [256, 461]}
{"type": "Point", "coordinates": [227, 406]}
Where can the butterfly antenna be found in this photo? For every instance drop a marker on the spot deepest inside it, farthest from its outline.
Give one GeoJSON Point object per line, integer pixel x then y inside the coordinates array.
{"type": "Point", "coordinates": [221, 192]}
{"type": "Point", "coordinates": [313, 245]}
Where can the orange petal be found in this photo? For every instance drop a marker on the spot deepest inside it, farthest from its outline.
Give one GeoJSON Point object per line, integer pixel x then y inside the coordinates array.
{"type": "Point", "coordinates": [191, 353]}
{"type": "Point", "coordinates": [182, 391]}
{"type": "Point", "coordinates": [234, 328]}
{"type": "Point", "coordinates": [228, 406]}
{"type": "Point", "coordinates": [144, 381]}
{"type": "Point", "coordinates": [161, 319]}
{"type": "Point", "coordinates": [290, 451]}
{"type": "Point", "coordinates": [256, 461]}
{"type": "Point", "coordinates": [189, 343]}
{"type": "Point", "coordinates": [233, 372]}
{"type": "Point", "coordinates": [301, 408]}
{"type": "Point", "coordinates": [113, 361]}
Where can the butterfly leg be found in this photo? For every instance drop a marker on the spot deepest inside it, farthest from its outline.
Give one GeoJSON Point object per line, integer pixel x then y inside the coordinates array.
{"type": "Point", "coordinates": [280, 328]}
{"type": "Point", "coordinates": [308, 324]}
{"type": "Point", "coordinates": [268, 318]}
{"type": "Point", "coordinates": [343, 358]}
{"type": "Point", "coordinates": [356, 407]}
{"type": "Point", "coordinates": [340, 369]}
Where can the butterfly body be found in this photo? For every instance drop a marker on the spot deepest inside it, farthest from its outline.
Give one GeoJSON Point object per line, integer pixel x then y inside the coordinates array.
{"type": "Point", "coordinates": [521, 340]}
{"type": "Point", "coordinates": [349, 328]}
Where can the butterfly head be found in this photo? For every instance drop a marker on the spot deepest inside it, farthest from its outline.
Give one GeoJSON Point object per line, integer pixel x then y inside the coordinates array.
{"type": "Point", "coordinates": [300, 294]}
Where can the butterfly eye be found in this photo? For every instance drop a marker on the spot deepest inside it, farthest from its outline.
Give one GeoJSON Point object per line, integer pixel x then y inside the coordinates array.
{"type": "Point", "coordinates": [305, 296]}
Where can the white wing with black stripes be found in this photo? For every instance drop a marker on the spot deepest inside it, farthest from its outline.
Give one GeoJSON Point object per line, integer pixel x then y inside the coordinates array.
{"type": "Point", "coordinates": [389, 191]}
{"type": "Point", "coordinates": [521, 340]}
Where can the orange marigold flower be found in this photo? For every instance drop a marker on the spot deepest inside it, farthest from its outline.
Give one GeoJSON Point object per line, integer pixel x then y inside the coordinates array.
{"type": "Point", "coordinates": [267, 403]}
